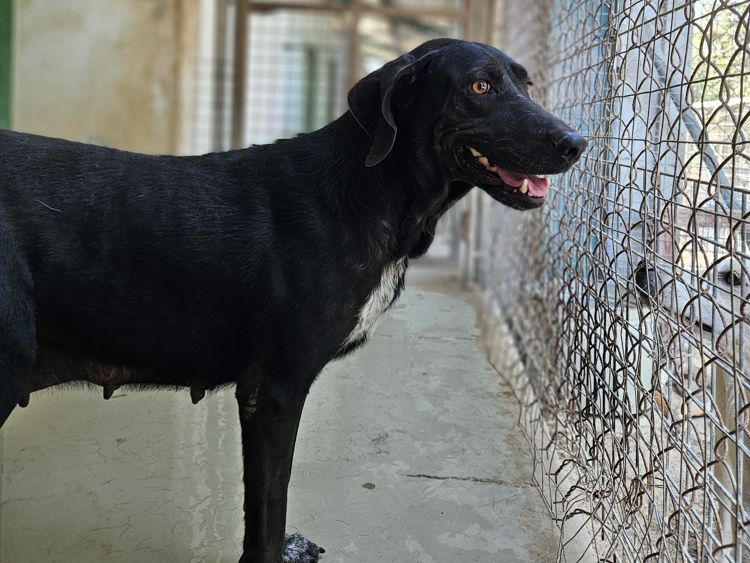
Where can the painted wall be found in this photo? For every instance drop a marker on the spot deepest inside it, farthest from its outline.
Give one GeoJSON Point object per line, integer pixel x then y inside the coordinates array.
{"type": "Point", "coordinates": [6, 42]}
{"type": "Point", "coordinates": [105, 71]}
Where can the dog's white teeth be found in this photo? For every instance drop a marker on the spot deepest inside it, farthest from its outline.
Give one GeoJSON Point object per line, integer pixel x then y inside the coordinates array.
{"type": "Point", "coordinates": [474, 151]}
{"type": "Point", "coordinates": [524, 186]}
{"type": "Point", "coordinates": [483, 161]}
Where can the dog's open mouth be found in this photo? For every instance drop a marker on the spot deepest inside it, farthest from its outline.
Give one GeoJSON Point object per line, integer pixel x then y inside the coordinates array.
{"type": "Point", "coordinates": [528, 185]}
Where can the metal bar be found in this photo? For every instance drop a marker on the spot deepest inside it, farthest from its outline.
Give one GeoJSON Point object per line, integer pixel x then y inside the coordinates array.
{"type": "Point", "coordinates": [390, 11]}
{"type": "Point", "coordinates": [491, 21]}
{"type": "Point", "coordinates": [178, 117]}
{"type": "Point", "coordinates": [311, 90]}
{"type": "Point", "coordinates": [219, 85]}
{"type": "Point", "coordinates": [242, 16]}
{"type": "Point", "coordinates": [355, 47]}
{"type": "Point", "coordinates": [468, 24]}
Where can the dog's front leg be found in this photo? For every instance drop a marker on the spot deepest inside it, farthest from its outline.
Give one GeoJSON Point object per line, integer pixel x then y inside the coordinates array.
{"type": "Point", "coordinates": [269, 431]}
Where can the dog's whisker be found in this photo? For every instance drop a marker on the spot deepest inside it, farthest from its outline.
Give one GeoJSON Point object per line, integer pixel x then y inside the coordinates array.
{"type": "Point", "coordinates": [48, 206]}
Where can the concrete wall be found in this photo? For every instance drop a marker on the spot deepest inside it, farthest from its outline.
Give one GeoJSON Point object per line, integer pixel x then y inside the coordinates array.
{"type": "Point", "coordinates": [111, 72]}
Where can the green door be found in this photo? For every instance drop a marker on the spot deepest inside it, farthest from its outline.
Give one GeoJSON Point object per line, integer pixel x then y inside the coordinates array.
{"type": "Point", "coordinates": [6, 43]}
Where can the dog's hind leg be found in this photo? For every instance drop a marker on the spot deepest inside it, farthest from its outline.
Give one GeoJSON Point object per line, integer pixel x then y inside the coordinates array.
{"type": "Point", "coordinates": [269, 430]}
{"type": "Point", "coordinates": [17, 353]}
{"type": "Point", "coordinates": [7, 401]}
{"type": "Point", "coordinates": [16, 362]}
{"type": "Point", "coordinates": [17, 329]}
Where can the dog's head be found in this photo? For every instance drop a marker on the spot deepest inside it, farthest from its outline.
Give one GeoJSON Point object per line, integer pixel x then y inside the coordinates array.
{"type": "Point", "coordinates": [712, 304]}
{"type": "Point", "coordinates": [467, 106]}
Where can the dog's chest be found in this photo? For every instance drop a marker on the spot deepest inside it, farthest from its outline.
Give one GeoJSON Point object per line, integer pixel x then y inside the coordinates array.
{"type": "Point", "coordinates": [379, 300]}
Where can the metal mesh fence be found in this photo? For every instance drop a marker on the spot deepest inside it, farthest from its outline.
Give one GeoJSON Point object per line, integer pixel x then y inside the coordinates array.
{"type": "Point", "coordinates": [627, 296]}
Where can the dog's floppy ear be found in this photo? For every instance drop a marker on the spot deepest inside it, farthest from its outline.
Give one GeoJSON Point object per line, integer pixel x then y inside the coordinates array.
{"type": "Point", "coordinates": [371, 103]}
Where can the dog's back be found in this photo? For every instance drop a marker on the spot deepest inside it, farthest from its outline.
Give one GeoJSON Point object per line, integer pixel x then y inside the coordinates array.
{"type": "Point", "coordinates": [128, 255]}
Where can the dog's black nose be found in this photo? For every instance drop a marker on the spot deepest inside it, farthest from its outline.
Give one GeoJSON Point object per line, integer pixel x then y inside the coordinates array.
{"type": "Point", "coordinates": [571, 146]}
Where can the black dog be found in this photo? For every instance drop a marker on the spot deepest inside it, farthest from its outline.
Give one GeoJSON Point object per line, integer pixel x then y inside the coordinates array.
{"type": "Point", "coordinates": [255, 267]}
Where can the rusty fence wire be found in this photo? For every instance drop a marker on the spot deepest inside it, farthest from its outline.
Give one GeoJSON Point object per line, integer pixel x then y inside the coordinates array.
{"type": "Point", "coordinates": [627, 300]}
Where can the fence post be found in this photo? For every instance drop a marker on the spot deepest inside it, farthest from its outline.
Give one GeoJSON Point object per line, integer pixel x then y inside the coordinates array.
{"type": "Point", "coordinates": [239, 76]}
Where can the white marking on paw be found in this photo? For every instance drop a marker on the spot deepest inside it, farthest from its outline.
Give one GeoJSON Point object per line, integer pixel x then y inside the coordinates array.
{"type": "Point", "coordinates": [378, 301]}
{"type": "Point", "coordinates": [298, 549]}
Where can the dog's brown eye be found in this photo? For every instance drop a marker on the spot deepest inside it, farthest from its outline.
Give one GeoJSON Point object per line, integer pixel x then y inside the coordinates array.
{"type": "Point", "coordinates": [480, 87]}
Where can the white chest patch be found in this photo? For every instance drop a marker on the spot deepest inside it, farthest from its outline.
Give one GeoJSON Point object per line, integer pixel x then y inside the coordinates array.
{"type": "Point", "coordinates": [391, 283]}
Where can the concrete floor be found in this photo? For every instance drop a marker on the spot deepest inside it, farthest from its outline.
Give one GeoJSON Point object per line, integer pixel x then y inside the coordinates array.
{"type": "Point", "coordinates": [408, 452]}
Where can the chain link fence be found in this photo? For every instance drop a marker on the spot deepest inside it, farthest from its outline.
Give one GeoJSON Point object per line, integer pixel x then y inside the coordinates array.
{"type": "Point", "coordinates": [626, 298]}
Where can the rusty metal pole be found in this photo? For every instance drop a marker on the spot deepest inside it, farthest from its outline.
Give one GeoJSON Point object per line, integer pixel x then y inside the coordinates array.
{"type": "Point", "coordinates": [355, 50]}
{"type": "Point", "coordinates": [239, 76]}
{"type": "Point", "coordinates": [220, 76]}
{"type": "Point", "coordinates": [467, 262]}
{"type": "Point", "coordinates": [491, 22]}
{"type": "Point", "coordinates": [468, 13]}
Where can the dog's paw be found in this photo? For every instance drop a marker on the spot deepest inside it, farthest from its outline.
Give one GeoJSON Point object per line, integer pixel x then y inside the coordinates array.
{"type": "Point", "coordinates": [298, 549]}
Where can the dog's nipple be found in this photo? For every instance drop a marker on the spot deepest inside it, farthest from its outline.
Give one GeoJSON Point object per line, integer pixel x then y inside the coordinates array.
{"type": "Point", "coordinates": [109, 390]}
{"type": "Point", "coordinates": [197, 392]}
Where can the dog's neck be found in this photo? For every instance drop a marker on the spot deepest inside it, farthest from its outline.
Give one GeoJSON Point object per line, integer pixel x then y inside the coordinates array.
{"type": "Point", "coordinates": [388, 211]}
{"type": "Point", "coordinates": [408, 191]}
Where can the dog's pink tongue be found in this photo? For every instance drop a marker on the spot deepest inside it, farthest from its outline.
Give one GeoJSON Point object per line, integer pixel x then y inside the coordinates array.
{"type": "Point", "coordinates": [538, 187]}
